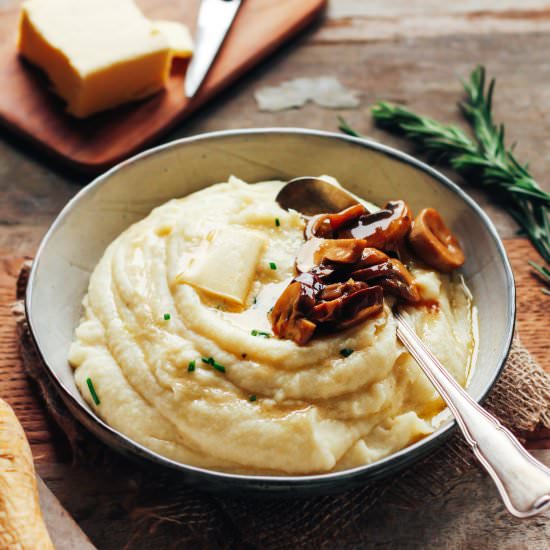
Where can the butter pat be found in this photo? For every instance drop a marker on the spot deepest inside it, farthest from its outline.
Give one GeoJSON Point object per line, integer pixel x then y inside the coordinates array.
{"type": "Point", "coordinates": [178, 36]}
{"type": "Point", "coordinates": [225, 266]}
{"type": "Point", "coordinates": [97, 53]}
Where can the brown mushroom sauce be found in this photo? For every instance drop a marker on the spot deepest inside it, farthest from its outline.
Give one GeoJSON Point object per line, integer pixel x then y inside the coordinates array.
{"type": "Point", "coordinates": [351, 259]}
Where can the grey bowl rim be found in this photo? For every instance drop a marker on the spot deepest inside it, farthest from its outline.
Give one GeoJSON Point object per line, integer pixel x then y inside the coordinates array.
{"type": "Point", "coordinates": [374, 469]}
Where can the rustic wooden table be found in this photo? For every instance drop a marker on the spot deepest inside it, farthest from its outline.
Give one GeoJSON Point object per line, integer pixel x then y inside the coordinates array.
{"type": "Point", "coordinates": [410, 51]}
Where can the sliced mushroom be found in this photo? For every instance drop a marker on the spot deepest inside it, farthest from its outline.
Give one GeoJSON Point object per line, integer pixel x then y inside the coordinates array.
{"type": "Point", "coordinates": [288, 314]}
{"type": "Point", "coordinates": [393, 277]}
{"type": "Point", "coordinates": [325, 225]}
{"type": "Point", "coordinates": [318, 251]}
{"type": "Point", "coordinates": [340, 251]}
{"type": "Point", "coordinates": [434, 243]}
{"type": "Point", "coordinates": [371, 256]}
{"type": "Point", "coordinates": [338, 290]}
{"type": "Point", "coordinates": [326, 273]}
{"type": "Point", "coordinates": [373, 304]}
{"type": "Point", "coordinates": [383, 229]}
{"type": "Point", "coordinates": [402, 284]}
{"type": "Point", "coordinates": [351, 308]}
{"type": "Point", "coordinates": [306, 304]}
{"type": "Point", "coordinates": [344, 271]}
{"type": "Point", "coordinates": [331, 300]}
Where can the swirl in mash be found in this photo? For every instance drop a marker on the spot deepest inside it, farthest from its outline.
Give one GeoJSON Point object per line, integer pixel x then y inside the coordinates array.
{"type": "Point", "coordinates": [314, 411]}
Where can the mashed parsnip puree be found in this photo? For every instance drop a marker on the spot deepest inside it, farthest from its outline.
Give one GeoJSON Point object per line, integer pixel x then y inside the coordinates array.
{"type": "Point", "coordinates": [176, 345]}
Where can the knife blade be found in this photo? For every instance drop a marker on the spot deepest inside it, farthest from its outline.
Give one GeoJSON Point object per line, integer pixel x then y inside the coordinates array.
{"type": "Point", "coordinates": [214, 20]}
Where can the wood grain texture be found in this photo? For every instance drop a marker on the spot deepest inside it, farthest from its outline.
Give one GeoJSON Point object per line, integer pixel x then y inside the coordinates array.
{"type": "Point", "coordinates": [379, 20]}
{"type": "Point", "coordinates": [29, 109]}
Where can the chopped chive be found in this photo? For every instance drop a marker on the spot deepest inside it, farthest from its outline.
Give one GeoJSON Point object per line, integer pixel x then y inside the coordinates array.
{"type": "Point", "coordinates": [255, 332]}
{"type": "Point", "coordinates": [219, 367]}
{"type": "Point", "coordinates": [252, 398]}
{"type": "Point", "coordinates": [272, 265]}
{"type": "Point", "coordinates": [254, 301]}
{"type": "Point", "coordinates": [346, 352]}
{"type": "Point", "coordinates": [92, 391]}
{"type": "Point", "coordinates": [277, 222]}
{"type": "Point", "coordinates": [191, 366]}
{"type": "Point", "coordinates": [167, 317]}
{"type": "Point", "coordinates": [211, 361]}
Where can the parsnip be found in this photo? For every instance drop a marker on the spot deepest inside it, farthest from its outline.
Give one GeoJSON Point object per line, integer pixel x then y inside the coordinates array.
{"type": "Point", "coordinates": [21, 524]}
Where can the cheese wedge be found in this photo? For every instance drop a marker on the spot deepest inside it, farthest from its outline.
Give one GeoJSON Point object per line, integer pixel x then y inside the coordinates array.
{"type": "Point", "coordinates": [178, 36]}
{"type": "Point", "coordinates": [226, 264]}
{"type": "Point", "coordinates": [97, 53]}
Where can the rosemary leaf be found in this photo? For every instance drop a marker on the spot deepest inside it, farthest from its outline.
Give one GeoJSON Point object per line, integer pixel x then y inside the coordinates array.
{"type": "Point", "coordinates": [541, 271]}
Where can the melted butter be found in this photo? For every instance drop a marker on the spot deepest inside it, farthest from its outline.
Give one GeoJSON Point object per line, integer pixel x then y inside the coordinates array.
{"type": "Point", "coordinates": [256, 316]}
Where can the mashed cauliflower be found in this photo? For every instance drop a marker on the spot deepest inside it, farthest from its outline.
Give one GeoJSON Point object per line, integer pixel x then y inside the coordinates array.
{"type": "Point", "coordinates": [195, 376]}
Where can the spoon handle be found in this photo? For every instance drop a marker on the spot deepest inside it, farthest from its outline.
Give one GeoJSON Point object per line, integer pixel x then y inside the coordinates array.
{"type": "Point", "coordinates": [523, 482]}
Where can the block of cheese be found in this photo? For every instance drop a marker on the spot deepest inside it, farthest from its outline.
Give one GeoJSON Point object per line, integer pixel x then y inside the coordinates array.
{"type": "Point", "coordinates": [226, 264]}
{"type": "Point", "coordinates": [97, 53]}
{"type": "Point", "coordinates": [178, 36]}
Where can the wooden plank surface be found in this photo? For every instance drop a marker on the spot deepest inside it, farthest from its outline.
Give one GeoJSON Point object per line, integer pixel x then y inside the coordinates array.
{"type": "Point", "coordinates": [28, 107]}
{"type": "Point", "coordinates": [410, 51]}
{"type": "Point", "coordinates": [377, 20]}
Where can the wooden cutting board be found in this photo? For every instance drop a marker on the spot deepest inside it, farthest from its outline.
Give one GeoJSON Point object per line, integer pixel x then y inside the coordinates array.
{"type": "Point", "coordinates": [28, 108]}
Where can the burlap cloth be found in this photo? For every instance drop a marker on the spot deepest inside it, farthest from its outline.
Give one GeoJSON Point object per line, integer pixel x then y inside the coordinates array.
{"type": "Point", "coordinates": [520, 399]}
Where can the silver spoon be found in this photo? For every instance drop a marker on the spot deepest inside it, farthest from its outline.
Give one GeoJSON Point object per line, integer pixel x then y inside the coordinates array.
{"type": "Point", "coordinates": [523, 482]}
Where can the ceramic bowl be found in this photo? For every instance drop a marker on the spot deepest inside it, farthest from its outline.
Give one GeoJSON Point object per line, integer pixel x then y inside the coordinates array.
{"type": "Point", "coordinates": [127, 193]}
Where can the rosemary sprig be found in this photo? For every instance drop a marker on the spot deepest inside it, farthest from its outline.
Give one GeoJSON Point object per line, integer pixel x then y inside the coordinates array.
{"type": "Point", "coordinates": [484, 160]}
{"type": "Point", "coordinates": [544, 275]}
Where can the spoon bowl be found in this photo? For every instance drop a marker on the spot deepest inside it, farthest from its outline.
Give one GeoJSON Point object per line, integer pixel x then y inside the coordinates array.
{"type": "Point", "coordinates": [309, 196]}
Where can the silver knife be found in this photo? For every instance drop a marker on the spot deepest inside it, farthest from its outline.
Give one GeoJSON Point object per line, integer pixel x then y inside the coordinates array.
{"type": "Point", "coordinates": [215, 19]}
